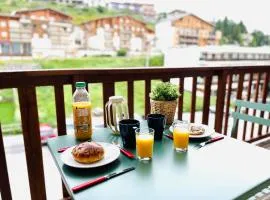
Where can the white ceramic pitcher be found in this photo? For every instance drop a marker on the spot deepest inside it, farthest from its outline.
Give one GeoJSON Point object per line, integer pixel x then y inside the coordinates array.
{"type": "Point", "coordinates": [116, 109]}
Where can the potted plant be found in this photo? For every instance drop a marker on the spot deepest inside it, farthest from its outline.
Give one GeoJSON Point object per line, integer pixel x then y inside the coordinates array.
{"type": "Point", "coordinates": [164, 100]}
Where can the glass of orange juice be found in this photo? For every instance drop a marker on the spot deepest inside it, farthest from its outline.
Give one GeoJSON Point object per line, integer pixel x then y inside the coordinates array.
{"type": "Point", "coordinates": [144, 143]}
{"type": "Point", "coordinates": [181, 136]}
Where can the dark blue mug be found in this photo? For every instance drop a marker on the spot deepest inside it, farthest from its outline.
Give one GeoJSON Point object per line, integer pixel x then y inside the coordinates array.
{"type": "Point", "coordinates": [127, 131]}
{"type": "Point", "coordinates": [158, 123]}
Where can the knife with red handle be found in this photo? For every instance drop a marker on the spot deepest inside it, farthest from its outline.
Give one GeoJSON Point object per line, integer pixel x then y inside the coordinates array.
{"type": "Point", "coordinates": [169, 136]}
{"type": "Point", "coordinates": [100, 180]}
{"type": "Point", "coordinates": [127, 153]}
{"type": "Point", "coordinates": [60, 150]}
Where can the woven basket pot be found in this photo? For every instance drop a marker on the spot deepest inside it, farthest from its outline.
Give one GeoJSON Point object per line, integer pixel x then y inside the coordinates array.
{"type": "Point", "coordinates": [166, 108]}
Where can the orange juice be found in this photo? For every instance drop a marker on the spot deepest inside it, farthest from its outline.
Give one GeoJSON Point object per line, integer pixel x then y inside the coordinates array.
{"type": "Point", "coordinates": [144, 145]}
{"type": "Point", "coordinates": [180, 138]}
{"type": "Point", "coordinates": [82, 120]}
{"type": "Point", "coordinates": [82, 112]}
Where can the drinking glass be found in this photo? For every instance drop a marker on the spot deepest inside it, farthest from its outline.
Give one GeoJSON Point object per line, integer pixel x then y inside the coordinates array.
{"type": "Point", "coordinates": [181, 136]}
{"type": "Point", "coordinates": [144, 143]}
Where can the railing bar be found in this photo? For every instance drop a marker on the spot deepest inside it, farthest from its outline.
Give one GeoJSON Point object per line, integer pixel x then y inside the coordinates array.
{"type": "Point", "coordinates": [73, 87]}
{"type": "Point", "coordinates": [131, 98]}
{"type": "Point", "coordinates": [248, 99]}
{"type": "Point", "coordinates": [108, 90]}
{"type": "Point", "coordinates": [60, 109]}
{"type": "Point", "coordinates": [181, 98]}
{"type": "Point", "coordinates": [61, 119]}
{"type": "Point", "coordinates": [221, 91]}
{"type": "Point", "coordinates": [228, 102]}
{"type": "Point", "coordinates": [193, 99]}
{"type": "Point", "coordinates": [4, 182]}
{"type": "Point", "coordinates": [264, 96]}
{"type": "Point", "coordinates": [255, 100]}
{"type": "Point", "coordinates": [146, 97]}
{"type": "Point", "coordinates": [166, 79]}
{"type": "Point", "coordinates": [240, 86]}
{"type": "Point", "coordinates": [32, 143]}
{"type": "Point", "coordinates": [206, 99]}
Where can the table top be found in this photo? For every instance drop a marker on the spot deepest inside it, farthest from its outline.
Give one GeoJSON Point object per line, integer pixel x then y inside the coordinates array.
{"type": "Point", "coordinates": [226, 169]}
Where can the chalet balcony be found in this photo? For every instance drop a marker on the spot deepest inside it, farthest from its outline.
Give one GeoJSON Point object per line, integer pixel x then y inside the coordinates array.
{"type": "Point", "coordinates": [219, 87]}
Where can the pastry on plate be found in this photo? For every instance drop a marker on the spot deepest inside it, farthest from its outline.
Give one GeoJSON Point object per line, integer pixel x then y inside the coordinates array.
{"type": "Point", "coordinates": [196, 130]}
{"type": "Point", "coordinates": [88, 152]}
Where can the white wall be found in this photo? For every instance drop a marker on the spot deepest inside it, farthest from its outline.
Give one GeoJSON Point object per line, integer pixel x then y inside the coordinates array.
{"type": "Point", "coordinates": [116, 41]}
{"type": "Point", "coordinates": [97, 41]}
{"type": "Point", "coordinates": [77, 34]}
{"type": "Point", "coordinates": [136, 44]}
{"type": "Point", "coordinates": [164, 35]}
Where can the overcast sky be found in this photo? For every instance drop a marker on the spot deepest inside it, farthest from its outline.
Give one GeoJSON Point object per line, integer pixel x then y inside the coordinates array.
{"type": "Point", "coordinates": [255, 14]}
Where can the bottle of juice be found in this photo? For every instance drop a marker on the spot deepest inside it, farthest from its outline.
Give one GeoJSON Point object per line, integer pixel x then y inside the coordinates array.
{"type": "Point", "coordinates": [82, 113]}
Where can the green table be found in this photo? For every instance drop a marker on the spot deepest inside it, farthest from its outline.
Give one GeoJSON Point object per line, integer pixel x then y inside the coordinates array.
{"type": "Point", "coordinates": [226, 169]}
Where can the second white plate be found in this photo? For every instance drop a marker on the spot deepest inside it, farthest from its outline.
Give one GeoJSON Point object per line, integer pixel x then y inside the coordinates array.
{"type": "Point", "coordinates": [111, 153]}
{"type": "Point", "coordinates": [208, 131]}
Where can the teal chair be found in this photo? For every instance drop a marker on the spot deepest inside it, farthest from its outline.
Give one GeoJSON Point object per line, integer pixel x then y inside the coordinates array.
{"type": "Point", "coordinates": [238, 115]}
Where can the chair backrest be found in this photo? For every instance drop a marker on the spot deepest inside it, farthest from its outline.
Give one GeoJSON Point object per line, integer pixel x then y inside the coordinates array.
{"type": "Point", "coordinates": [4, 180]}
{"type": "Point", "coordinates": [238, 115]}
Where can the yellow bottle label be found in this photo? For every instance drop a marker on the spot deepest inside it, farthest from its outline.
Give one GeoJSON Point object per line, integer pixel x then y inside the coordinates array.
{"type": "Point", "coordinates": [82, 120]}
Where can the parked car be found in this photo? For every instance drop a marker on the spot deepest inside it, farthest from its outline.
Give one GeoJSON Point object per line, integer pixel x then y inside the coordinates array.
{"type": "Point", "coordinates": [46, 131]}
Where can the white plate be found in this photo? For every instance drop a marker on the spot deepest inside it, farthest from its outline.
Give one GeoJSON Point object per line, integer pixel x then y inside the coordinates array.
{"type": "Point", "coordinates": [208, 131]}
{"type": "Point", "coordinates": [111, 153]}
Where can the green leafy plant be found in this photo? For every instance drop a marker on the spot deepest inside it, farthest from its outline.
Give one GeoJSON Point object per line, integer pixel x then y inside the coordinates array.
{"type": "Point", "coordinates": [165, 91]}
{"type": "Point", "coordinates": [122, 52]}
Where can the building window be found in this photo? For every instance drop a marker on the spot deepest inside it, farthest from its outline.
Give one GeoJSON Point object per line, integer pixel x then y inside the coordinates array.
{"type": "Point", "coordinates": [3, 24]}
{"type": "Point", "coordinates": [4, 34]}
{"type": "Point", "coordinates": [44, 26]}
{"type": "Point", "coordinates": [16, 48]}
{"type": "Point", "coordinates": [5, 49]}
{"type": "Point", "coordinates": [27, 49]}
{"type": "Point", "coordinates": [78, 42]}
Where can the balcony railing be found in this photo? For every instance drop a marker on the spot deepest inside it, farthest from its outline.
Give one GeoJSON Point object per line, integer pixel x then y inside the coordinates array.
{"type": "Point", "coordinates": [27, 81]}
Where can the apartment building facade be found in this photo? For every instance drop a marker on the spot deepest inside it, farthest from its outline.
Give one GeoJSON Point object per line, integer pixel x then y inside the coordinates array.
{"type": "Point", "coordinates": [185, 29]}
{"type": "Point", "coordinates": [119, 32]}
{"type": "Point", "coordinates": [52, 32]}
{"type": "Point", "coordinates": [146, 10]}
{"type": "Point", "coordinates": [15, 36]}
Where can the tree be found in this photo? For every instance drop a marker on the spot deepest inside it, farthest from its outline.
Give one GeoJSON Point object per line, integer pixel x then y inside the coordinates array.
{"type": "Point", "coordinates": [231, 31]}
{"type": "Point", "coordinates": [259, 39]}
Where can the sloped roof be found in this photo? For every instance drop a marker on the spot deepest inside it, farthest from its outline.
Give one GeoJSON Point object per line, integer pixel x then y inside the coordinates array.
{"type": "Point", "coordinates": [40, 9]}
{"type": "Point", "coordinates": [182, 15]}
{"type": "Point", "coordinates": [116, 16]}
{"type": "Point", "coordinates": [9, 16]}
